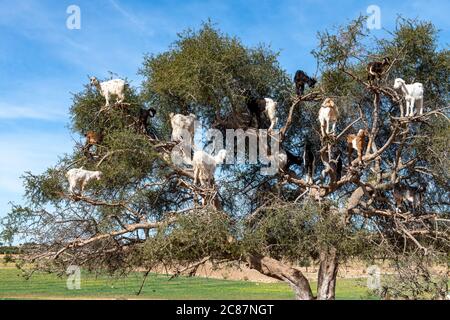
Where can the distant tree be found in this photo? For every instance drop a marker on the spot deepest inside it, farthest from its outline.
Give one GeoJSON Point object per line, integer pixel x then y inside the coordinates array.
{"type": "Point", "coordinates": [142, 212]}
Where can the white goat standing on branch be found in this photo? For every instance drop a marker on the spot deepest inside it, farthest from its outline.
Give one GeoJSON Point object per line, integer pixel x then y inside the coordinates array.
{"type": "Point", "coordinates": [328, 115]}
{"type": "Point", "coordinates": [109, 88]}
{"type": "Point", "coordinates": [205, 166]}
{"type": "Point", "coordinates": [271, 111]}
{"type": "Point", "coordinates": [413, 94]}
{"type": "Point", "coordinates": [181, 125]}
{"type": "Point", "coordinates": [80, 177]}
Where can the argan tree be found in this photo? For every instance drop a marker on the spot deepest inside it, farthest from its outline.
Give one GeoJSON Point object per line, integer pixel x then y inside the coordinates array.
{"type": "Point", "coordinates": [143, 213]}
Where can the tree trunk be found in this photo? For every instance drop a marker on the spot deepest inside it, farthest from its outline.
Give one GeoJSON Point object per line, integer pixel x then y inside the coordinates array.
{"type": "Point", "coordinates": [275, 269]}
{"type": "Point", "coordinates": [326, 285]}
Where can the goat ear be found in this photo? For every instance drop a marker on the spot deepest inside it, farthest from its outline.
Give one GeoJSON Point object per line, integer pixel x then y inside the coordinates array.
{"type": "Point", "coordinates": [171, 115]}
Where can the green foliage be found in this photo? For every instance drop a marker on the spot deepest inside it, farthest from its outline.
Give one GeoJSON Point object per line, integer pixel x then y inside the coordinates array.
{"type": "Point", "coordinates": [338, 84]}
{"type": "Point", "coordinates": [131, 158]}
{"type": "Point", "coordinates": [413, 279]}
{"type": "Point", "coordinates": [335, 50]}
{"type": "Point", "coordinates": [89, 113]}
{"type": "Point", "coordinates": [8, 258]}
{"type": "Point", "coordinates": [420, 58]}
{"type": "Point", "coordinates": [9, 250]}
{"type": "Point", "coordinates": [195, 236]}
{"type": "Point", "coordinates": [14, 224]}
{"type": "Point", "coordinates": [299, 232]}
{"type": "Point", "coordinates": [206, 72]}
{"type": "Point", "coordinates": [434, 146]}
{"type": "Point", "coordinates": [44, 188]}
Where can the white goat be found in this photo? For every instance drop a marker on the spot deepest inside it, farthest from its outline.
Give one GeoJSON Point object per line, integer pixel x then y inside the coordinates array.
{"type": "Point", "coordinates": [413, 94]}
{"type": "Point", "coordinates": [328, 115]}
{"type": "Point", "coordinates": [205, 166]}
{"type": "Point", "coordinates": [80, 177]}
{"type": "Point", "coordinates": [181, 125]}
{"type": "Point", "coordinates": [109, 88]}
{"type": "Point", "coordinates": [271, 111]}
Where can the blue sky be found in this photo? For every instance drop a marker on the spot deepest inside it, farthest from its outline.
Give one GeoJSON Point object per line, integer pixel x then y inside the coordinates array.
{"type": "Point", "coordinates": [42, 62]}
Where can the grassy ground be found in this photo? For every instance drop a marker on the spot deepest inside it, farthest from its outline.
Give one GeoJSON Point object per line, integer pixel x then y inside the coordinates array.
{"type": "Point", "coordinates": [49, 286]}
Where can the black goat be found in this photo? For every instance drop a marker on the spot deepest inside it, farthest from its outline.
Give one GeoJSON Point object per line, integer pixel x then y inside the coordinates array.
{"type": "Point", "coordinates": [293, 159]}
{"type": "Point", "coordinates": [300, 79]}
{"type": "Point", "coordinates": [144, 115]}
{"type": "Point", "coordinates": [309, 162]}
{"type": "Point", "coordinates": [339, 167]}
{"type": "Point", "coordinates": [376, 68]}
{"type": "Point", "coordinates": [256, 106]}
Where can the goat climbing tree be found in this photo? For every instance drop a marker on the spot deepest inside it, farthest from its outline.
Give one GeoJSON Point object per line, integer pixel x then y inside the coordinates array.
{"type": "Point", "coordinates": [142, 214]}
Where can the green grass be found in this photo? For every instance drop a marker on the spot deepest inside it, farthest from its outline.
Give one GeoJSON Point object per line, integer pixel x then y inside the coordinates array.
{"type": "Point", "coordinates": [49, 286]}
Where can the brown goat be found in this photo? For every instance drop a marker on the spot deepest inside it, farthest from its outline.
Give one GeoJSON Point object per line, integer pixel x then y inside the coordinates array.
{"type": "Point", "coordinates": [93, 138]}
{"type": "Point", "coordinates": [357, 142]}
